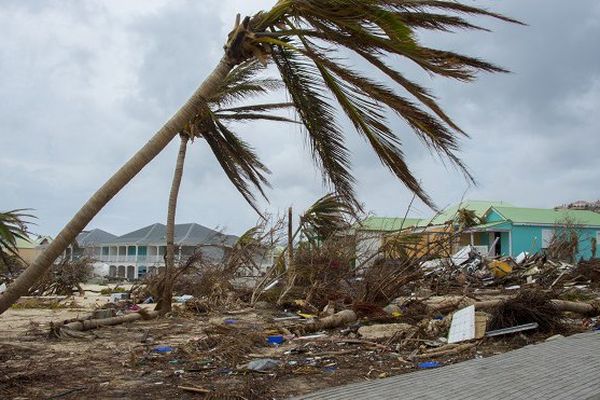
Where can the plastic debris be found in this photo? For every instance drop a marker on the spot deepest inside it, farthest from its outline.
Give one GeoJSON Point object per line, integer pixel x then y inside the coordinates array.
{"type": "Point", "coordinates": [514, 329]}
{"type": "Point", "coordinates": [263, 364]}
{"type": "Point", "coordinates": [429, 364]}
{"type": "Point", "coordinates": [500, 268]}
{"type": "Point", "coordinates": [275, 340]}
{"type": "Point", "coordinates": [184, 298]}
{"type": "Point", "coordinates": [163, 349]}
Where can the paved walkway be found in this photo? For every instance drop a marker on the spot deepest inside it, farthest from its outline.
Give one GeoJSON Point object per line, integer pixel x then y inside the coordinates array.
{"type": "Point", "coordinates": [566, 368]}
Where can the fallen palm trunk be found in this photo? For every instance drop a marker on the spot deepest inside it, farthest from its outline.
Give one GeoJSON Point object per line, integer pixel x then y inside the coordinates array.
{"type": "Point", "coordinates": [577, 307]}
{"type": "Point", "coordinates": [89, 324]}
{"type": "Point", "coordinates": [561, 305]}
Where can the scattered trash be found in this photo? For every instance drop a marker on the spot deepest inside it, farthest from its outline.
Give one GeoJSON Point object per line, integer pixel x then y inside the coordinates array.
{"type": "Point", "coordinates": [194, 389]}
{"type": "Point", "coordinates": [275, 340]}
{"type": "Point", "coordinates": [230, 321]}
{"type": "Point", "coordinates": [382, 331]}
{"type": "Point", "coordinates": [116, 297]}
{"type": "Point", "coordinates": [163, 349]}
{"type": "Point", "coordinates": [500, 268]}
{"type": "Point", "coordinates": [521, 257]}
{"type": "Point", "coordinates": [555, 337]}
{"type": "Point", "coordinates": [429, 365]}
{"type": "Point", "coordinates": [183, 299]}
{"type": "Point", "coordinates": [515, 329]}
{"type": "Point", "coordinates": [307, 316]}
{"type": "Point", "coordinates": [311, 337]}
{"type": "Point", "coordinates": [264, 364]}
{"type": "Point", "coordinates": [463, 325]}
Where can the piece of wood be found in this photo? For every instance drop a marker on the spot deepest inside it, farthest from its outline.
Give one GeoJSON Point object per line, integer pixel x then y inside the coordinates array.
{"type": "Point", "coordinates": [194, 389]}
{"type": "Point", "coordinates": [448, 352]}
{"type": "Point", "coordinates": [577, 307]}
{"type": "Point", "coordinates": [561, 305]}
{"type": "Point", "coordinates": [89, 324]}
{"type": "Point", "coordinates": [480, 324]}
{"type": "Point", "coordinates": [359, 341]}
{"type": "Point", "coordinates": [334, 321]}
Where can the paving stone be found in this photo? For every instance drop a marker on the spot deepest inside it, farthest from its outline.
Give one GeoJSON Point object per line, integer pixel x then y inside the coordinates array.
{"type": "Point", "coordinates": [565, 368]}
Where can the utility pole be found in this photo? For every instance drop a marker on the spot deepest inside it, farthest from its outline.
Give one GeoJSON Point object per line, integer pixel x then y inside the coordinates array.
{"type": "Point", "coordinates": [290, 249]}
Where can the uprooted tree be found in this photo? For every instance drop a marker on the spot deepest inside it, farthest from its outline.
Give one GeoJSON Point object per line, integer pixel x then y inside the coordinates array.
{"type": "Point", "coordinates": [303, 38]}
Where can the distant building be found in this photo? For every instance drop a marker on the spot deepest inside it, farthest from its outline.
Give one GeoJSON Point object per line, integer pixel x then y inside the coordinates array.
{"type": "Point", "coordinates": [509, 231]}
{"type": "Point", "coordinates": [499, 229]}
{"type": "Point", "coordinates": [28, 250]}
{"type": "Point", "coordinates": [142, 251]}
{"type": "Point", "coordinates": [372, 232]}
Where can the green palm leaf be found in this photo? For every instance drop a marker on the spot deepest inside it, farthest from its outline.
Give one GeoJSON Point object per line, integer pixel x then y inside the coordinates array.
{"type": "Point", "coordinates": [305, 37]}
{"type": "Point", "coordinates": [13, 226]}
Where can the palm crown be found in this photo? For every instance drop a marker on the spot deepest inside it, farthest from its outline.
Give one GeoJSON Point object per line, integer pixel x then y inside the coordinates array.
{"type": "Point", "coordinates": [303, 38]}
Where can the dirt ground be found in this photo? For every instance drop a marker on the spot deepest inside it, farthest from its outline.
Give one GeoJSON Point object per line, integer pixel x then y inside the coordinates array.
{"type": "Point", "coordinates": [207, 352]}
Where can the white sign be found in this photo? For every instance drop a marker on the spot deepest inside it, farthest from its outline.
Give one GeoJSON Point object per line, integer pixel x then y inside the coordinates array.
{"type": "Point", "coordinates": [463, 325]}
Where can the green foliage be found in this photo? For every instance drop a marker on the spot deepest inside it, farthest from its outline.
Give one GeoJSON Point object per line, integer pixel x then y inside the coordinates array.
{"type": "Point", "coordinates": [13, 226]}
{"type": "Point", "coordinates": [466, 218]}
{"type": "Point", "coordinates": [328, 215]}
{"type": "Point", "coordinates": [237, 158]}
{"type": "Point", "coordinates": [307, 38]}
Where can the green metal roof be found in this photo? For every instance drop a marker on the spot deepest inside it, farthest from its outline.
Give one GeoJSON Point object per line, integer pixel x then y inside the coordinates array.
{"type": "Point", "coordinates": [484, 227]}
{"type": "Point", "coordinates": [480, 207]}
{"type": "Point", "coordinates": [32, 243]}
{"type": "Point", "coordinates": [548, 216]}
{"type": "Point", "coordinates": [383, 224]}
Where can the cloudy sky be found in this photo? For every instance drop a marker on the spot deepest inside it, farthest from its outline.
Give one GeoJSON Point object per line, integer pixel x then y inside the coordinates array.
{"type": "Point", "coordinates": [86, 83]}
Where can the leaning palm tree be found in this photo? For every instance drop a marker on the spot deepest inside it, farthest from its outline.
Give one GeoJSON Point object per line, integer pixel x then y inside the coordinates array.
{"type": "Point", "coordinates": [238, 85]}
{"type": "Point", "coordinates": [302, 38]}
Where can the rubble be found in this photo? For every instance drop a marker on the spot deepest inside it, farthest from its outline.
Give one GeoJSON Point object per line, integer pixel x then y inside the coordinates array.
{"type": "Point", "coordinates": [383, 331]}
{"type": "Point", "coordinates": [329, 324]}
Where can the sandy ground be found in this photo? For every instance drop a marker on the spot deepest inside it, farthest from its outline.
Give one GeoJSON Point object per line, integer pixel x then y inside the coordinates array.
{"type": "Point", "coordinates": [207, 351]}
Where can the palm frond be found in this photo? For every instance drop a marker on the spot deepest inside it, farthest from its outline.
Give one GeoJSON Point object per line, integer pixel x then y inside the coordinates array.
{"type": "Point", "coordinates": [241, 83]}
{"type": "Point", "coordinates": [325, 137]}
{"type": "Point", "coordinates": [305, 36]}
{"type": "Point", "coordinates": [252, 116]}
{"type": "Point", "coordinates": [238, 160]}
{"type": "Point", "coordinates": [257, 107]}
{"type": "Point", "coordinates": [13, 226]}
{"type": "Point", "coordinates": [326, 216]}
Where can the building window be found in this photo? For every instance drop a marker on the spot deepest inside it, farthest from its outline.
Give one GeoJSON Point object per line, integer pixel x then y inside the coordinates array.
{"type": "Point", "coordinates": [105, 251]}
{"type": "Point", "coordinates": [141, 271]}
{"type": "Point", "coordinates": [547, 235]}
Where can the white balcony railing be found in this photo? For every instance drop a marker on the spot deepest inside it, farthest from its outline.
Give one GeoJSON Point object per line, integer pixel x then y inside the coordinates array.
{"type": "Point", "coordinates": [152, 259]}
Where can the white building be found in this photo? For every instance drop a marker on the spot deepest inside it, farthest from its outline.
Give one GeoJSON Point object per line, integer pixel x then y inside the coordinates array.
{"type": "Point", "coordinates": [140, 252]}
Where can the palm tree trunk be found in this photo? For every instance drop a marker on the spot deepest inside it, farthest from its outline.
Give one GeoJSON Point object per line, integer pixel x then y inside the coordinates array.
{"type": "Point", "coordinates": [93, 206]}
{"type": "Point", "coordinates": [163, 305]}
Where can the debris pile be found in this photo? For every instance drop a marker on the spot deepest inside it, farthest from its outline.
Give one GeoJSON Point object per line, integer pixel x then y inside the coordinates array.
{"type": "Point", "coordinates": [469, 269]}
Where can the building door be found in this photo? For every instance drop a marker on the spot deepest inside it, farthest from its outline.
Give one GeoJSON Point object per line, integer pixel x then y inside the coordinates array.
{"type": "Point", "coordinates": [496, 243]}
{"type": "Point", "coordinates": [498, 239]}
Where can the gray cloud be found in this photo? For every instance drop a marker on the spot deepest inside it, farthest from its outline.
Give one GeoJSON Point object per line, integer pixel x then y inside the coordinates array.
{"type": "Point", "coordinates": [85, 83]}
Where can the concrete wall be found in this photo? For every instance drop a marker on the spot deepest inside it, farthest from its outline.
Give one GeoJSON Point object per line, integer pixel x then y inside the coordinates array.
{"type": "Point", "coordinates": [529, 238]}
